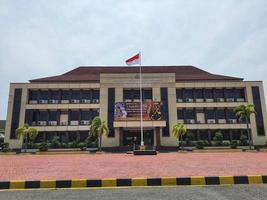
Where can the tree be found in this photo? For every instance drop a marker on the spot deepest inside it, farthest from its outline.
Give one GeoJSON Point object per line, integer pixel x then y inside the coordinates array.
{"type": "Point", "coordinates": [27, 133]}
{"type": "Point", "coordinates": [98, 128]}
{"type": "Point", "coordinates": [178, 130]}
{"type": "Point", "coordinates": [244, 112]}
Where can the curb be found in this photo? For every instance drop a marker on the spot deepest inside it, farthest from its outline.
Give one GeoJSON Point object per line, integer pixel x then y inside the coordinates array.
{"type": "Point", "coordinates": [134, 182]}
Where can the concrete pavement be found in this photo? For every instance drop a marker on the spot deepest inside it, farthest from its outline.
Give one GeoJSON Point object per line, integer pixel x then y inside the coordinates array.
{"type": "Point", "coordinates": [234, 192]}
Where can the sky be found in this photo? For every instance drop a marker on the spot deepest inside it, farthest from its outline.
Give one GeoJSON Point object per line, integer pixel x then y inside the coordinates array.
{"type": "Point", "coordinates": [40, 38]}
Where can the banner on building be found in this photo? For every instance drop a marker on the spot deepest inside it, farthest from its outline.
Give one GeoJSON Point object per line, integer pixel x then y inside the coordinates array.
{"type": "Point", "coordinates": [126, 111]}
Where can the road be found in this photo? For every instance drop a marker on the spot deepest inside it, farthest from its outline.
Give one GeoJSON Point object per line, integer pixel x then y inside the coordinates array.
{"type": "Point", "coordinates": [244, 192]}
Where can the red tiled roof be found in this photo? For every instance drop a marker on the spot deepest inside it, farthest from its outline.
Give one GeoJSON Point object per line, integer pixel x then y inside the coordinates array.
{"type": "Point", "coordinates": [92, 74]}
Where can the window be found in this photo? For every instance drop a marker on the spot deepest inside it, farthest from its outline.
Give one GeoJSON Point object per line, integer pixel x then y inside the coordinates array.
{"type": "Point", "coordinates": [208, 94]}
{"type": "Point", "coordinates": [258, 109]}
{"type": "Point", "coordinates": [75, 94]}
{"type": "Point", "coordinates": [220, 113]}
{"type": "Point", "coordinates": [33, 95]}
{"type": "Point", "coordinates": [240, 93]}
{"type": "Point", "coordinates": [43, 116]}
{"type": "Point", "coordinates": [127, 94]}
{"type": "Point", "coordinates": [210, 114]}
{"type": "Point", "coordinates": [165, 110]}
{"type": "Point", "coordinates": [230, 114]}
{"type": "Point", "coordinates": [95, 94]}
{"type": "Point", "coordinates": [74, 115]}
{"type": "Point", "coordinates": [188, 94]}
{"type": "Point", "coordinates": [189, 114]}
{"type": "Point", "coordinates": [204, 135]}
{"type": "Point", "coordinates": [54, 95]}
{"type": "Point", "coordinates": [229, 93]}
{"type": "Point", "coordinates": [86, 94]}
{"type": "Point", "coordinates": [94, 113]}
{"type": "Point", "coordinates": [179, 94]}
{"type": "Point", "coordinates": [111, 104]}
{"type": "Point", "coordinates": [226, 134]}
{"type": "Point", "coordinates": [53, 115]}
{"type": "Point", "coordinates": [44, 94]}
{"type": "Point", "coordinates": [65, 95]}
{"type": "Point", "coordinates": [136, 94]}
{"type": "Point", "coordinates": [199, 94]}
{"type": "Point", "coordinates": [218, 93]}
{"type": "Point", "coordinates": [180, 114]}
{"type": "Point", "coordinates": [236, 134]}
{"type": "Point", "coordinates": [147, 94]}
{"type": "Point", "coordinates": [28, 116]}
{"type": "Point", "coordinates": [86, 115]}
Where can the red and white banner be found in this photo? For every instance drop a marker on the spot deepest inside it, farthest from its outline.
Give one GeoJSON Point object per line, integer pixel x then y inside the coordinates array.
{"type": "Point", "coordinates": [133, 60]}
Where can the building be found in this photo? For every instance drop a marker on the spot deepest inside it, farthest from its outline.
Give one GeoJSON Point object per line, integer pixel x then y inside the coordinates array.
{"type": "Point", "coordinates": [2, 124]}
{"type": "Point", "coordinates": [2, 130]}
{"type": "Point", "coordinates": [64, 105]}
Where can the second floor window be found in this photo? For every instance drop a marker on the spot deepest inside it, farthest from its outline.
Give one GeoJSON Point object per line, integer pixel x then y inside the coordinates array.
{"type": "Point", "coordinates": [134, 94]}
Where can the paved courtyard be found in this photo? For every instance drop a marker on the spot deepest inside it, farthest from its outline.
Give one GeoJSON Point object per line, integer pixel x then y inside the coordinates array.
{"type": "Point", "coordinates": [95, 166]}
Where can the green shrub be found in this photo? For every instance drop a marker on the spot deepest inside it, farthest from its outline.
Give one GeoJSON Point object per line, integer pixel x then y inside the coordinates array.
{"type": "Point", "coordinates": [218, 139]}
{"type": "Point", "coordinates": [226, 143]}
{"type": "Point", "coordinates": [243, 140]}
{"type": "Point", "coordinates": [82, 146]}
{"type": "Point", "coordinates": [233, 144]}
{"type": "Point", "coordinates": [189, 137]}
{"type": "Point", "coordinates": [91, 141]}
{"type": "Point", "coordinates": [55, 142]}
{"type": "Point", "coordinates": [43, 146]}
{"type": "Point", "coordinates": [73, 144]}
{"type": "Point", "coordinates": [199, 144]}
{"type": "Point", "coordinates": [206, 143]}
{"type": "Point", "coordinates": [32, 145]}
{"type": "Point", "coordinates": [63, 145]}
{"type": "Point", "coordinates": [5, 147]}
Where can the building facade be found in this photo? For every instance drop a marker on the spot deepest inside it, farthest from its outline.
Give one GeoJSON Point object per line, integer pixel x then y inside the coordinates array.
{"type": "Point", "coordinates": [64, 105]}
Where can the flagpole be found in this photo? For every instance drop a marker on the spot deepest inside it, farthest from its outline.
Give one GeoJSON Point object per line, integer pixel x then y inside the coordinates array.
{"type": "Point", "coordinates": [141, 99]}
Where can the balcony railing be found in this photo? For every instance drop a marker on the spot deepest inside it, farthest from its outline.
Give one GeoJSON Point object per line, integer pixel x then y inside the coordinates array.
{"type": "Point", "coordinates": [209, 100]}
{"type": "Point", "coordinates": [62, 123]}
{"type": "Point", "coordinates": [210, 121]}
{"type": "Point", "coordinates": [63, 101]}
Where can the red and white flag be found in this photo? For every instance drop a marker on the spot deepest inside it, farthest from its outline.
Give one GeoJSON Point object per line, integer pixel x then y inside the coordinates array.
{"type": "Point", "coordinates": [133, 60]}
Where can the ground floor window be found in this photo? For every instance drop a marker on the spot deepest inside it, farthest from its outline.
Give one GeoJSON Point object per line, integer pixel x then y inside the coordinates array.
{"type": "Point", "coordinates": [131, 137]}
{"type": "Point", "coordinates": [220, 137]}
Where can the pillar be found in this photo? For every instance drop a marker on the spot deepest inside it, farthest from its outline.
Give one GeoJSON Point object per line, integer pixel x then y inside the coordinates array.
{"type": "Point", "coordinates": [121, 136]}
{"type": "Point", "coordinates": [157, 129]}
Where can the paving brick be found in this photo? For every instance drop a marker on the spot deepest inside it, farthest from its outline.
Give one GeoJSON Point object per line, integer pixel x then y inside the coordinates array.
{"type": "Point", "coordinates": [99, 166]}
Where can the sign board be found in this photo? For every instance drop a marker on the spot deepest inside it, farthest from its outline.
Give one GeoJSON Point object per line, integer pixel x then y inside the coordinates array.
{"type": "Point", "coordinates": [127, 111]}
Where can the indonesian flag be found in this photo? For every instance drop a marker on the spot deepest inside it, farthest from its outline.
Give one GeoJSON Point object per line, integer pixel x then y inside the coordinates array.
{"type": "Point", "coordinates": [133, 60]}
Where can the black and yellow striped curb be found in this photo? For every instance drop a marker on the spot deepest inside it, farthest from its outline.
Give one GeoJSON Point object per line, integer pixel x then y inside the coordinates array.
{"type": "Point", "coordinates": [134, 182]}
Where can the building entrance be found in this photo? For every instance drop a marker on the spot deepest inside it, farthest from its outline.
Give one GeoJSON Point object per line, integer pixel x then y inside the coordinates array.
{"type": "Point", "coordinates": [131, 136]}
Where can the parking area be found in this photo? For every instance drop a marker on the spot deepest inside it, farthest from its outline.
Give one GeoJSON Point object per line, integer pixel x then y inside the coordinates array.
{"type": "Point", "coordinates": [107, 165]}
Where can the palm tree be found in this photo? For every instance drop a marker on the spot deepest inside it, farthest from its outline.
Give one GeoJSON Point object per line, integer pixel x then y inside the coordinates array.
{"type": "Point", "coordinates": [27, 133]}
{"type": "Point", "coordinates": [244, 112]}
{"type": "Point", "coordinates": [178, 130]}
{"type": "Point", "coordinates": [98, 128]}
